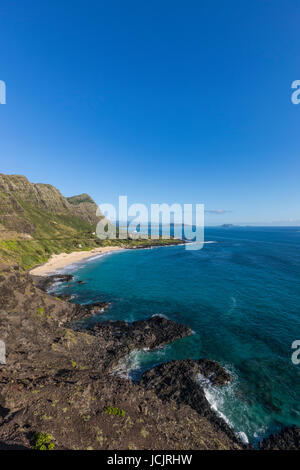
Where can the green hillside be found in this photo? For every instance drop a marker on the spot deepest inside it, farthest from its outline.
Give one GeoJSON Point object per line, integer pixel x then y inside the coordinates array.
{"type": "Point", "coordinates": [36, 221]}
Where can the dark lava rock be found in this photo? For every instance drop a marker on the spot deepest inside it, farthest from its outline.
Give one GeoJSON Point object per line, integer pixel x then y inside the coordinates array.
{"type": "Point", "coordinates": [45, 282]}
{"type": "Point", "coordinates": [176, 380]}
{"type": "Point", "coordinates": [115, 340]}
{"type": "Point", "coordinates": [151, 333]}
{"type": "Point", "coordinates": [84, 311]}
{"type": "Point", "coordinates": [120, 338]}
{"type": "Point", "coordinates": [287, 439]}
{"type": "Point", "coordinates": [3, 412]}
{"type": "Point", "coordinates": [79, 311]}
{"type": "Point", "coordinates": [97, 307]}
{"type": "Point", "coordinates": [65, 297]}
{"type": "Point", "coordinates": [59, 381]}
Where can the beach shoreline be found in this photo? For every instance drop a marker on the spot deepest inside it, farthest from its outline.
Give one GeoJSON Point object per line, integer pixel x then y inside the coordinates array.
{"type": "Point", "coordinates": [63, 260]}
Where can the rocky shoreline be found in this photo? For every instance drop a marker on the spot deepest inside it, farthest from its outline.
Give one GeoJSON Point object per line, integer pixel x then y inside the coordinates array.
{"type": "Point", "coordinates": [58, 379]}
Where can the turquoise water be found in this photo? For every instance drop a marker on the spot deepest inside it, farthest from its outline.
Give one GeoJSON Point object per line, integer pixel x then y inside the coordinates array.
{"type": "Point", "coordinates": [241, 297]}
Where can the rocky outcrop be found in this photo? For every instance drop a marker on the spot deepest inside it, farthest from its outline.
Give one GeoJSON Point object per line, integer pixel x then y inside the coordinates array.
{"type": "Point", "coordinates": [44, 196]}
{"type": "Point", "coordinates": [88, 310]}
{"type": "Point", "coordinates": [46, 282]}
{"type": "Point", "coordinates": [176, 381]}
{"type": "Point", "coordinates": [84, 206]}
{"type": "Point", "coordinates": [25, 204]}
{"type": "Point", "coordinates": [79, 312]}
{"type": "Point", "coordinates": [287, 439]}
{"type": "Point", "coordinates": [58, 380]}
{"type": "Point", "coordinates": [151, 333]}
{"type": "Point", "coordinates": [121, 338]}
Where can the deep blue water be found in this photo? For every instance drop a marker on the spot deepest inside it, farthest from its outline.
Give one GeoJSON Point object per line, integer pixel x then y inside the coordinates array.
{"type": "Point", "coordinates": [241, 297]}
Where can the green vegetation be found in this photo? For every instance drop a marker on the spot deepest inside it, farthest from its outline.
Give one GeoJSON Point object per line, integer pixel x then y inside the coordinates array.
{"type": "Point", "coordinates": [80, 199]}
{"type": "Point", "coordinates": [36, 221]}
{"type": "Point", "coordinates": [42, 441]}
{"type": "Point", "coordinates": [114, 411]}
{"type": "Point", "coordinates": [40, 311]}
{"type": "Point", "coordinates": [144, 433]}
{"type": "Point", "coordinates": [30, 253]}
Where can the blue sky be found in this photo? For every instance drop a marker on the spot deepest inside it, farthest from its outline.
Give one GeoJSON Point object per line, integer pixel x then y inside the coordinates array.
{"type": "Point", "coordinates": [163, 101]}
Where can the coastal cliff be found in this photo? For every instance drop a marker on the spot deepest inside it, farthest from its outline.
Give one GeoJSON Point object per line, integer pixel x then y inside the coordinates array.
{"type": "Point", "coordinates": [24, 205]}
{"type": "Point", "coordinates": [36, 221]}
{"type": "Point", "coordinates": [59, 387]}
{"type": "Point", "coordinates": [60, 382]}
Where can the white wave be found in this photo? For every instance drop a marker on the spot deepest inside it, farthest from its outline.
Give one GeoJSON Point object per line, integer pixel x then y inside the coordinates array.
{"type": "Point", "coordinates": [129, 363]}
{"type": "Point", "coordinates": [243, 436]}
{"type": "Point", "coordinates": [162, 315]}
{"type": "Point", "coordinates": [93, 258]}
{"type": "Point", "coordinates": [70, 268]}
{"type": "Point", "coordinates": [102, 255]}
{"type": "Point", "coordinates": [260, 433]}
{"type": "Point", "coordinates": [233, 305]}
{"type": "Point", "coordinates": [54, 287]}
{"type": "Point", "coordinates": [208, 242]}
{"type": "Point", "coordinates": [219, 398]}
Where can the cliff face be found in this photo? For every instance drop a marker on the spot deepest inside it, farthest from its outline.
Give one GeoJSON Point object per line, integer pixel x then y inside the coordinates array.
{"type": "Point", "coordinates": [20, 198]}
{"type": "Point", "coordinates": [84, 206]}
{"type": "Point", "coordinates": [36, 220]}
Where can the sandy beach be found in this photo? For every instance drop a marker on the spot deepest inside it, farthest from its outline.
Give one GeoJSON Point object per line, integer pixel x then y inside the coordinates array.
{"type": "Point", "coordinates": [64, 259]}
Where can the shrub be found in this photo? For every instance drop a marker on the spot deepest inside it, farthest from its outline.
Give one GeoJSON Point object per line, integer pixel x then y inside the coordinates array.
{"type": "Point", "coordinates": [42, 441]}
{"type": "Point", "coordinates": [114, 411]}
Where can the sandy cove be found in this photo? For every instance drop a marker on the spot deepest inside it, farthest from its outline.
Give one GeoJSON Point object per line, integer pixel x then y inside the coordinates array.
{"type": "Point", "coordinates": [64, 259]}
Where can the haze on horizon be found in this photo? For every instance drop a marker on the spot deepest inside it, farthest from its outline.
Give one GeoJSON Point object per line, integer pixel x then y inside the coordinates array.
{"type": "Point", "coordinates": [165, 102]}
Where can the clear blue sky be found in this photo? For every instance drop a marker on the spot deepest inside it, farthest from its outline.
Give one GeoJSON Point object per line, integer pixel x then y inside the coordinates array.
{"type": "Point", "coordinates": [163, 101]}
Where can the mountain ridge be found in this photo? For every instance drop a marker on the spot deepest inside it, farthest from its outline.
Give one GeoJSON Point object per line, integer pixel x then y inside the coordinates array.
{"type": "Point", "coordinates": [36, 220]}
{"type": "Point", "coordinates": [17, 191]}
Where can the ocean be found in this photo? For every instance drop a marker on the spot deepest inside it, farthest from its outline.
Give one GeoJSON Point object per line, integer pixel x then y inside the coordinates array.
{"type": "Point", "coordinates": [241, 297]}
